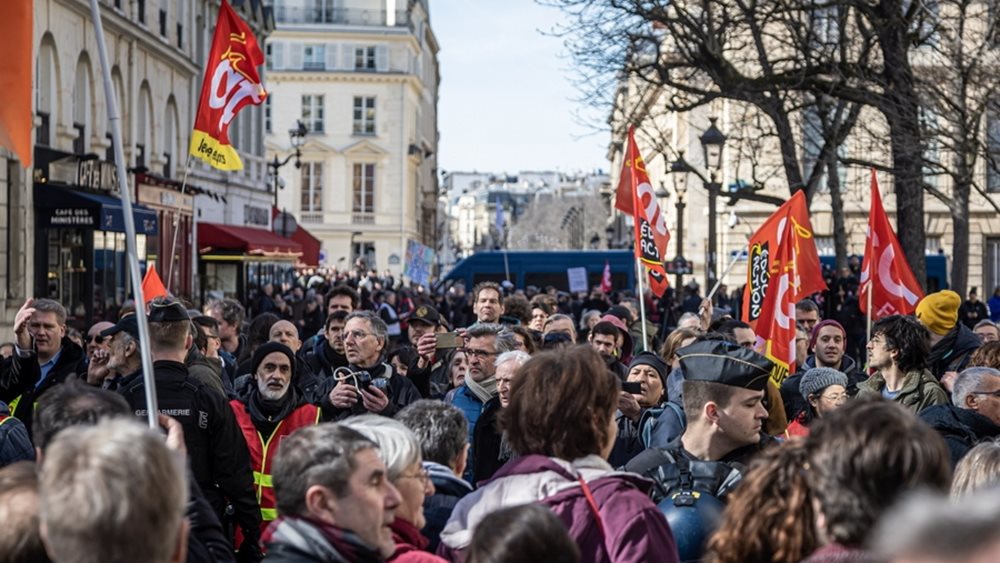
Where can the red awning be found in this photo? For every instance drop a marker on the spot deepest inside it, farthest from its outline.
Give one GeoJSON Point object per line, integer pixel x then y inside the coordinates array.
{"type": "Point", "coordinates": [310, 246]}
{"type": "Point", "coordinates": [212, 236]}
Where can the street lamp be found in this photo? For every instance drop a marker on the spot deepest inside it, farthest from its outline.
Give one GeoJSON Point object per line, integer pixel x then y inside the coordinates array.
{"type": "Point", "coordinates": [297, 137]}
{"type": "Point", "coordinates": [680, 170]}
{"type": "Point", "coordinates": [712, 143]}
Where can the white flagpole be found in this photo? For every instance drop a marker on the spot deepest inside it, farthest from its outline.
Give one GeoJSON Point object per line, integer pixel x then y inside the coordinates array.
{"type": "Point", "coordinates": [639, 271]}
{"type": "Point", "coordinates": [114, 121]}
{"type": "Point", "coordinates": [868, 315]}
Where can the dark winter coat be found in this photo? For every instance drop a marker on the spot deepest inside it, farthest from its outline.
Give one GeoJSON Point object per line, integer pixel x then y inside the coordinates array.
{"type": "Point", "coordinates": [953, 352]}
{"type": "Point", "coordinates": [961, 428]}
{"type": "Point", "coordinates": [401, 392]}
{"type": "Point", "coordinates": [14, 442]}
{"type": "Point", "coordinates": [19, 375]}
{"type": "Point", "coordinates": [448, 490]}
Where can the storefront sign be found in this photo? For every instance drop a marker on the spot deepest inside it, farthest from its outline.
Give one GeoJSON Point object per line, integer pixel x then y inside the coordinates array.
{"type": "Point", "coordinates": [72, 217]}
{"type": "Point", "coordinates": [97, 175]}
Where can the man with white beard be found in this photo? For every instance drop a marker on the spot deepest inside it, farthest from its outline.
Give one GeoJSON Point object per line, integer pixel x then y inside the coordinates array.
{"type": "Point", "coordinates": [267, 411]}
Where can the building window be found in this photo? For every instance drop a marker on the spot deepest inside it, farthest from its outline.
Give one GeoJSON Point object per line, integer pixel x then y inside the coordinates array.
{"type": "Point", "coordinates": [312, 112]}
{"type": "Point", "coordinates": [167, 168]}
{"type": "Point", "coordinates": [267, 112]}
{"type": "Point", "coordinates": [140, 11]}
{"type": "Point", "coordinates": [364, 188]}
{"type": "Point", "coordinates": [109, 153]}
{"type": "Point", "coordinates": [364, 116]}
{"type": "Point", "coordinates": [312, 186]}
{"type": "Point", "coordinates": [268, 56]}
{"type": "Point", "coordinates": [42, 132]}
{"type": "Point", "coordinates": [163, 23]}
{"type": "Point", "coordinates": [364, 58]}
{"type": "Point", "coordinates": [140, 156]}
{"type": "Point", "coordinates": [180, 35]}
{"type": "Point", "coordinates": [315, 57]}
{"type": "Point", "coordinates": [80, 142]}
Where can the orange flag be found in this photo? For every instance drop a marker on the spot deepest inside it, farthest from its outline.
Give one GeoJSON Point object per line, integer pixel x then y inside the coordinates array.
{"type": "Point", "coordinates": [152, 285]}
{"type": "Point", "coordinates": [651, 235]}
{"type": "Point", "coordinates": [231, 82]}
{"type": "Point", "coordinates": [896, 291]}
{"type": "Point", "coordinates": [762, 263]}
{"type": "Point", "coordinates": [15, 78]}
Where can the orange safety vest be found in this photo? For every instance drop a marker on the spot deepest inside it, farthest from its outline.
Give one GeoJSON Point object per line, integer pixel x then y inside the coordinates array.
{"type": "Point", "coordinates": [262, 451]}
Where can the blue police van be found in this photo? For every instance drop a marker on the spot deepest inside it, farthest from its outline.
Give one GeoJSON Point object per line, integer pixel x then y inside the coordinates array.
{"type": "Point", "coordinates": [543, 268]}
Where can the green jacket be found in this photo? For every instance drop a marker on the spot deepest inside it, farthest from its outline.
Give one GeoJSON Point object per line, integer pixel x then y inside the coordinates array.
{"type": "Point", "coordinates": [920, 390]}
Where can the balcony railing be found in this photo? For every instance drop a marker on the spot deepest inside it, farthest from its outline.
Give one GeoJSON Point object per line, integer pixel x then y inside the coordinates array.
{"type": "Point", "coordinates": [312, 216]}
{"type": "Point", "coordinates": [345, 16]}
{"type": "Point", "coordinates": [363, 218]}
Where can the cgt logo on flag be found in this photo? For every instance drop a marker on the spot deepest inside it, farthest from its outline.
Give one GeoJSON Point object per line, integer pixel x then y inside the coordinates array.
{"type": "Point", "coordinates": [231, 82]}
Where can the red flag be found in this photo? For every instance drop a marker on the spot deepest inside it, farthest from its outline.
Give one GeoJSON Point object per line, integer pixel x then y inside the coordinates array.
{"type": "Point", "coordinates": [896, 291]}
{"type": "Point", "coordinates": [152, 285]}
{"type": "Point", "coordinates": [16, 67]}
{"type": "Point", "coordinates": [651, 235]}
{"type": "Point", "coordinates": [762, 258]}
{"type": "Point", "coordinates": [231, 82]}
{"type": "Point", "coordinates": [606, 278]}
{"type": "Point", "coordinates": [777, 311]}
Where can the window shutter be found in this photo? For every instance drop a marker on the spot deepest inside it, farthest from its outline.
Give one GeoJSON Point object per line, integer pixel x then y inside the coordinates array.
{"type": "Point", "coordinates": [382, 58]}
{"type": "Point", "coordinates": [296, 62]}
{"type": "Point", "coordinates": [331, 56]}
{"type": "Point", "coordinates": [347, 56]}
{"type": "Point", "coordinates": [278, 56]}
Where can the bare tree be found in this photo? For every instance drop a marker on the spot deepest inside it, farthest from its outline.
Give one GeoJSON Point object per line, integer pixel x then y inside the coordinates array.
{"type": "Point", "coordinates": [780, 56]}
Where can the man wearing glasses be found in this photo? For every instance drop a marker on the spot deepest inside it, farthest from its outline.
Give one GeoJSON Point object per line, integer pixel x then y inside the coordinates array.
{"type": "Point", "coordinates": [899, 349]}
{"type": "Point", "coordinates": [975, 414]}
{"type": "Point", "coordinates": [480, 382]}
{"type": "Point", "coordinates": [365, 340]}
{"type": "Point", "coordinates": [98, 351]}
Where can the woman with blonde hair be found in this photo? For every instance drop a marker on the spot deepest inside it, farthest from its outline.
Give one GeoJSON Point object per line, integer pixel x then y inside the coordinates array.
{"type": "Point", "coordinates": [978, 469]}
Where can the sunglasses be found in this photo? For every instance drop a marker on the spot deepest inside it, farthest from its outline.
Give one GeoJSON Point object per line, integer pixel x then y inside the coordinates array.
{"type": "Point", "coordinates": [96, 339]}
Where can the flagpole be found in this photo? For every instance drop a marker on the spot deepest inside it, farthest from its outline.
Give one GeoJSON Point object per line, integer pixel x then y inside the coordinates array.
{"type": "Point", "coordinates": [718, 282]}
{"type": "Point", "coordinates": [868, 315]}
{"type": "Point", "coordinates": [639, 271]}
{"type": "Point", "coordinates": [177, 220]}
{"type": "Point", "coordinates": [114, 121]}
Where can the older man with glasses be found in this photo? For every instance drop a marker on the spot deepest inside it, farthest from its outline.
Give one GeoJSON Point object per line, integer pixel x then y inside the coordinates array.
{"type": "Point", "coordinates": [369, 383]}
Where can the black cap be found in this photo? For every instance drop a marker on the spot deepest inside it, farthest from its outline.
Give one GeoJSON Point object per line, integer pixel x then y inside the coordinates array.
{"type": "Point", "coordinates": [425, 314]}
{"type": "Point", "coordinates": [652, 360]}
{"type": "Point", "coordinates": [718, 361]}
{"type": "Point", "coordinates": [169, 312]}
{"type": "Point", "coordinates": [266, 348]}
{"type": "Point", "coordinates": [127, 324]}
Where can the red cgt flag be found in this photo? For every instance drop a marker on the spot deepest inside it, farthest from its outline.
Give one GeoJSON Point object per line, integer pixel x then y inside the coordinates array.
{"type": "Point", "coordinates": [777, 311]}
{"type": "Point", "coordinates": [651, 235]}
{"type": "Point", "coordinates": [763, 259]}
{"type": "Point", "coordinates": [896, 291]}
{"type": "Point", "coordinates": [231, 82]}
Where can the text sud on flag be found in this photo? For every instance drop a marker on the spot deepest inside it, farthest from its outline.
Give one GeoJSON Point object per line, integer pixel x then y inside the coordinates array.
{"type": "Point", "coordinates": [635, 197]}
{"type": "Point", "coordinates": [231, 82]}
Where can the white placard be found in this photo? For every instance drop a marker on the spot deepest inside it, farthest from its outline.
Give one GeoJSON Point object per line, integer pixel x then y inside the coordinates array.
{"type": "Point", "coordinates": [577, 279]}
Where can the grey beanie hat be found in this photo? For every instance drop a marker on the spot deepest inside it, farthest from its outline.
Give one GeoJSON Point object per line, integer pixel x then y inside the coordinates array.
{"type": "Point", "coordinates": [817, 379]}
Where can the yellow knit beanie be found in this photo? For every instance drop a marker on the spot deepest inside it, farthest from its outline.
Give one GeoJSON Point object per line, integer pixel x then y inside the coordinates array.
{"type": "Point", "coordinates": [939, 311]}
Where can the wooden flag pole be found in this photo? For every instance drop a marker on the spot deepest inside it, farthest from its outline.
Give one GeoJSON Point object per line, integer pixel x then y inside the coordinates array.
{"type": "Point", "coordinates": [114, 121]}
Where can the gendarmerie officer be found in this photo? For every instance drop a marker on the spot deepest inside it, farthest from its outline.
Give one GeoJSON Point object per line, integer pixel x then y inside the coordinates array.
{"type": "Point", "coordinates": [217, 452]}
{"type": "Point", "coordinates": [723, 404]}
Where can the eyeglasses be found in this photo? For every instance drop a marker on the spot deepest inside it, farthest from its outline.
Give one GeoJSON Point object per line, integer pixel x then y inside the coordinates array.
{"type": "Point", "coordinates": [356, 334]}
{"type": "Point", "coordinates": [990, 393]}
{"type": "Point", "coordinates": [836, 397]}
{"type": "Point", "coordinates": [96, 339]}
{"type": "Point", "coordinates": [423, 476]}
{"type": "Point", "coordinates": [478, 353]}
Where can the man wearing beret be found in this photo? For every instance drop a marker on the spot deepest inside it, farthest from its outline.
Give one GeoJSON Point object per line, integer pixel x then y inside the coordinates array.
{"type": "Point", "coordinates": [217, 452]}
{"type": "Point", "coordinates": [266, 412]}
{"type": "Point", "coordinates": [952, 343]}
{"type": "Point", "coordinates": [723, 402]}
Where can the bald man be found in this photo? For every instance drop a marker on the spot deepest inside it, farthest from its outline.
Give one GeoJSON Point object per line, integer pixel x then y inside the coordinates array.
{"type": "Point", "coordinates": [285, 333]}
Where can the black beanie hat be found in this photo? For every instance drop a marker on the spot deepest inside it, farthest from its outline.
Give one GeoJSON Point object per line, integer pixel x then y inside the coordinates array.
{"type": "Point", "coordinates": [654, 361]}
{"type": "Point", "coordinates": [267, 348]}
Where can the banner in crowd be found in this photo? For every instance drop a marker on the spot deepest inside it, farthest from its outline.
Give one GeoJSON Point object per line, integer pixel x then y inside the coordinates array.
{"type": "Point", "coordinates": [16, 68]}
{"type": "Point", "coordinates": [782, 268]}
{"type": "Point", "coordinates": [419, 262]}
{"type": "Point", "coordinates": [895, 290]}
{"type": "Point", "coordinates": [635, 196]}
{"type": "Point", "coordinates": [231, 82]}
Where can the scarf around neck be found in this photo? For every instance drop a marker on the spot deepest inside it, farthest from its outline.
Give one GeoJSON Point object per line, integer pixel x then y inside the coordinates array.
{"type": "Point", "coordinates": [485, 390]}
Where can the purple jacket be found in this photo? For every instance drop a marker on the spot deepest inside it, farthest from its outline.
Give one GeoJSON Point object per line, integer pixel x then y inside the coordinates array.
{"type": "Point", "coordinates": [634, 529]}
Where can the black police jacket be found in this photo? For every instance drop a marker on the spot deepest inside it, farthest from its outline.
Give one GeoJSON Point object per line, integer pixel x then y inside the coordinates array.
{"type": "Point", "coordinates": [218, 455]}
{"type": "Point", "coordinates": [675, 470]}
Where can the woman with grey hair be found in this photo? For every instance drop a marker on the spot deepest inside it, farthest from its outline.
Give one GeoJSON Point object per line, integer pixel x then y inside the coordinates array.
{"type": "Point", "coordinates": [400, 451]}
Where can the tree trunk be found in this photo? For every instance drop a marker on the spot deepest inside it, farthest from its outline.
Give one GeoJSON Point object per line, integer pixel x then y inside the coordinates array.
{"type": "Point", "coordinates": [960, 226]}
{"type": "Point", "coordinates": [837, 210]}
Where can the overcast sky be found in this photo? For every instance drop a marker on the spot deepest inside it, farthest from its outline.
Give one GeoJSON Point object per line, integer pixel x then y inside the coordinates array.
{"type": "Point", "coordinates": [507, 96]}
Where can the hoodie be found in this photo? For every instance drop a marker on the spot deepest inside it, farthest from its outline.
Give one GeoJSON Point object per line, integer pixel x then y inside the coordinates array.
{"type": "Point", "coordinates": [627, 526]}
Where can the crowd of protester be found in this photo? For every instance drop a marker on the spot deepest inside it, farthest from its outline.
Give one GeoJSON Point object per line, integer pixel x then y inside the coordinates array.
{"type": "Point", "coordinates": [358, 420]}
